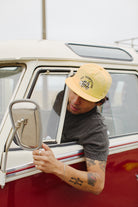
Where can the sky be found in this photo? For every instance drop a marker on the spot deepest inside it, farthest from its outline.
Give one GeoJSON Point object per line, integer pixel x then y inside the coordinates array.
{"type": "Point", "coordinates": [93, 21]}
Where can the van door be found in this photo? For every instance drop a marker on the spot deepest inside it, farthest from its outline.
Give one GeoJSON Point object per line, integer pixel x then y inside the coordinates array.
{"type": "Point", "coordinates": [22, 176]}
{"type": "Point", "coordinates": [121, 117]}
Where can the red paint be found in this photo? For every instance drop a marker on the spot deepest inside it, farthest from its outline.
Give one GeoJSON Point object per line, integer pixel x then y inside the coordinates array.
{"type": "Point", "coordinates": [121, 187]}
{"type": "Point", "coordinates": [120, 145]}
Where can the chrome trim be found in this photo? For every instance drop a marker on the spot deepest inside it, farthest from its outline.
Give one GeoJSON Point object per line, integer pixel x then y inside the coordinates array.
{"type": "Point", "coordinates": [14, 171]}
{"type": "Point", "coordinates": [30, 166]}
{"type": "Point", "coordinates": [69, 157]}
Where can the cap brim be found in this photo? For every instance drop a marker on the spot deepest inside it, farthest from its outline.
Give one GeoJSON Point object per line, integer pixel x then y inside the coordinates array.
{"type": "Point", "coordinates": [70, 81]}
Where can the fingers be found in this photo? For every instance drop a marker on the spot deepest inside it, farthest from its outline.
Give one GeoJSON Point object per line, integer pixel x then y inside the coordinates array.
{"type": "Point", "coordinates": [44, 159]}
{"type": "Point", "coordinates": [41, 154]}
{"type": "Point", "coordinates": [45, 147]}
{"type": "Point", "coordinates": [39, 165]}
{"type": "Point", "coordinates": [39, 160]}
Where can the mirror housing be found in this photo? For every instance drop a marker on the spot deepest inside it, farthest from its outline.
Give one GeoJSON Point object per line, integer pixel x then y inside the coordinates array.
{"type": "Point", "coordinates": [25, 117]}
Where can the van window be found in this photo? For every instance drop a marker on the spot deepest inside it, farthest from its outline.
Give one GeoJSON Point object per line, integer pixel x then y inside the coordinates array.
{"type": "Point", "coordinates": [95, 51]}
{"type": "Point", "coordinates": [121, 111]}
{"type": "Point", "coordinates": [45, 92]}
{"type": "Point", "coordinates": [8, 80]}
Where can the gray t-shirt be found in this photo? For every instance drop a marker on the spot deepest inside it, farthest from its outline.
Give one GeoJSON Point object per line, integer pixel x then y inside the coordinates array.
{"type": "Point", "coordinates": [87, 129]}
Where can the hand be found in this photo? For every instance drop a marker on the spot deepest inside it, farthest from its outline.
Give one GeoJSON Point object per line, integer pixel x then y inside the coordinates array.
{"type": "Point", "coordinates": [45, 160]}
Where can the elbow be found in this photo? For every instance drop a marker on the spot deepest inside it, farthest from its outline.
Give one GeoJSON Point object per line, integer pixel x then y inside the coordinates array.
{"type": "Point", "coordinates": [96, 183]}
{"type": "Point", "coordinates": [98, 192]}
{"type": "Point", "coordinates": [98, 188]}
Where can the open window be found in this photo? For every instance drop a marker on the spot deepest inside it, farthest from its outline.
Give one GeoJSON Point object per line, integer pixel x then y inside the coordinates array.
{"type": "Point", "coordinates": [120, 112]}
{"type": "Point", "coordinates": [47, 87]}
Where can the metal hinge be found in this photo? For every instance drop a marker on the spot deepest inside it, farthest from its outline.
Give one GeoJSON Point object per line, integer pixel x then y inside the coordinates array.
{"type": "Point", "coordinates": [2, 179]}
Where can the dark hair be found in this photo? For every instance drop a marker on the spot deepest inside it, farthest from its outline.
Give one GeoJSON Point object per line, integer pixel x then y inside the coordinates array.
{"type": "Point", "coordinates": [102, 101]}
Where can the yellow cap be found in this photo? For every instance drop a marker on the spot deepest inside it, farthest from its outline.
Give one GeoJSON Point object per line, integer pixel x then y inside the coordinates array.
{"type": "Point", "coordinates": [90, 82]}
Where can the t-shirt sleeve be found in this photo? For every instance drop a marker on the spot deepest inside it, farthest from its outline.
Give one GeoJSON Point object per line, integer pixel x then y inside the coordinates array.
{"type": "Point", "coordinates": [96, 143]}
{"type": "Point", "coordinates": [96, 152]}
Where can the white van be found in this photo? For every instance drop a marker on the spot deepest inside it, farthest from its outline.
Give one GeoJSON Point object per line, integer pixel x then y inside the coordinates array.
{"type": "Point", "coordinates": [36, 70]}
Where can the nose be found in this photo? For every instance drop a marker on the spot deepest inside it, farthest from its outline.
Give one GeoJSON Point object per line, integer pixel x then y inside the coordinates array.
{"type": "Point", "coordinates": [76, 100]}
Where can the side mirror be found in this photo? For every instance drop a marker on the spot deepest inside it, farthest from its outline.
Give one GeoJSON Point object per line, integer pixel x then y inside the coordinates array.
{"type": "Point", "coordinates": [25, 118]}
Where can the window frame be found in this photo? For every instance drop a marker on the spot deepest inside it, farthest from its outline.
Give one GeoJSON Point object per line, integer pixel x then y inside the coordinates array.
{"type": "Point", "coordinates": [23, 66]}
{"type": "Point", "coordinates": [68, 70]}
{"type": "Point", "coordinates": [55, 71]}
{"type": "Point", "coordinates": [72, 46]}
{"type": "Point", "coordinates": [72, 70]}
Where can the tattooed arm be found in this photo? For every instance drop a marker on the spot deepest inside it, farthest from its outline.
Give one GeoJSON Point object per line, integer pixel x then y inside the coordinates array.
{"type": "Point", "coordinates": [91, 180]}
{"type": "Point", "coordinates": [96, 174]}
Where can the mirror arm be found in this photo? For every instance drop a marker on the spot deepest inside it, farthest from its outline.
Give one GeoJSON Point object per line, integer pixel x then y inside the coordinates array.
{"type": "Point", "coordinates": [5, 155]}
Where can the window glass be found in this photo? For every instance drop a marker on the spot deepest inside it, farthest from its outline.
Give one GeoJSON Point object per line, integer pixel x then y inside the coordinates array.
{"type": "Point", "coordinates": [93, 51]}
{"type": "Point", "coordinates": [121, 111]}
{"type": "Point", "coordinates": [8, 80]}
{"type": "Point", "coordinates": [45, 92]}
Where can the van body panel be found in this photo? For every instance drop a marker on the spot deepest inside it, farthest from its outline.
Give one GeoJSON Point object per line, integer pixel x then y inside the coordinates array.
{"type": "Point", "coordinates": [34, 62]}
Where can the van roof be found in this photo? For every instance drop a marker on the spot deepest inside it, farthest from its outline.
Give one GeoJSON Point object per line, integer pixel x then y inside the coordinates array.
{"type": "Point", "coordinates": [46, 49]}
{"type": "Point", "coordinates": [34, 49]}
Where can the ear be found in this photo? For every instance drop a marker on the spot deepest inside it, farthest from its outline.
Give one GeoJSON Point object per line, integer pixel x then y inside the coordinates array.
{"type": "Point", "coordinates": [99, 104]}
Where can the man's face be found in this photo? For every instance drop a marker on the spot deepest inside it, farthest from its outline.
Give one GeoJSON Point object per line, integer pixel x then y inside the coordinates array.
{"type": "Point", "coordinates": [78, 105]}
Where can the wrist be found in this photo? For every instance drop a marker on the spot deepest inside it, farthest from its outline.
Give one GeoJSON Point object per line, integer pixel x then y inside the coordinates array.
{"type": "Point", "coordinates": [60, 170]}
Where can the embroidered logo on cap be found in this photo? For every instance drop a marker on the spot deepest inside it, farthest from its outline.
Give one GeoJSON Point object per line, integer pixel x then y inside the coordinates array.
{"type": "Point", "coordinates": [86, 82]}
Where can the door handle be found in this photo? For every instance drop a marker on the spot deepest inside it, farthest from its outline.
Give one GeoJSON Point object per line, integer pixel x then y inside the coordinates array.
{"type": "Point", "coordinates": [137, 177]}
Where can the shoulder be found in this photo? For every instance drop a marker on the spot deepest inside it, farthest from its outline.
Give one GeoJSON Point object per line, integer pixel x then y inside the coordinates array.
{"type": "Point", "coordinates": [96, 141]}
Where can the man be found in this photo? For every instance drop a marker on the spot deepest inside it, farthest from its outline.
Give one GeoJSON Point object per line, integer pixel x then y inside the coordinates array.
{"type": "Point", "coordinates": [83, 123]}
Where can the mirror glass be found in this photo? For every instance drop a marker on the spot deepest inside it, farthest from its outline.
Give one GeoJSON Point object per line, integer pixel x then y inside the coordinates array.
{"type": "Point", "coordinates": [25, 118]}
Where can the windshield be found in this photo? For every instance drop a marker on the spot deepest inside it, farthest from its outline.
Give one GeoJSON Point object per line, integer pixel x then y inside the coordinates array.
{"type": "Point", "coordinates": [8, 80]}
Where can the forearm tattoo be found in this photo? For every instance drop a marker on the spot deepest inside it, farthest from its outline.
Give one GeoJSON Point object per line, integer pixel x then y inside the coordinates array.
{"type": "Point", "coordinates": [91, 179]}
{"type": "Point", "coordinates": [76, 181]}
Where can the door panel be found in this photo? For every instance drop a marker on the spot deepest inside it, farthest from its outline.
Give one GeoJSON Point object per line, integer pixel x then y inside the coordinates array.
{"type": "Point", "coordinates": [120, 190]}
